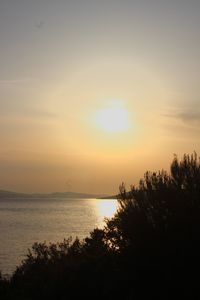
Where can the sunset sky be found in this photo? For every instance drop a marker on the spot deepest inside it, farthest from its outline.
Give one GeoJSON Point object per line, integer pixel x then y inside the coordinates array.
{"type": "Point", "coordinates": [93, 93]}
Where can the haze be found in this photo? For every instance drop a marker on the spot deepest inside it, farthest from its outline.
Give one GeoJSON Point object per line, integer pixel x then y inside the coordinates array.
{"type": "Point", "coordinates": [68, 65]}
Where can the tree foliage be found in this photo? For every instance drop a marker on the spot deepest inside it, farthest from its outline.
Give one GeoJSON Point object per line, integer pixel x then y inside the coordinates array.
{"type": "Point", "coordinates": [157, 226]}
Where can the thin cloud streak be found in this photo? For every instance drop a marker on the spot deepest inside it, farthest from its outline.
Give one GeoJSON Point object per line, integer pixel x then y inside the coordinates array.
{"type": "Point", "coordinates": [15, 81]}
{"type": "Point", "coordinates": [187, 115]}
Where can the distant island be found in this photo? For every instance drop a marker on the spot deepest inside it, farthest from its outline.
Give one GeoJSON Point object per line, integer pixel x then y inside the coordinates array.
{"type": "Point", "coordinates": [11, 195]}
{"type": "Point", "coordinates": [109, 197]}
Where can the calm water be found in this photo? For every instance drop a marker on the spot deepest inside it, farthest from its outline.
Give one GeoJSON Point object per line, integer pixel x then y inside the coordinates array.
{"type": "Point", "coordinates": [25, 221]}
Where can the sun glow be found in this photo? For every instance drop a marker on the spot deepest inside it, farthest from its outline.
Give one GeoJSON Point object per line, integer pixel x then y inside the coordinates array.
{"type": "Point", "coordinates": [113, 119]}
{"type": "Point", "coordinates": [107, 207]}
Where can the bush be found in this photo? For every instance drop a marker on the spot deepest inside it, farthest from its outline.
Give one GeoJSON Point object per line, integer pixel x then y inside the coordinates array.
{"type": "Point", "coordinates": [157, 227]}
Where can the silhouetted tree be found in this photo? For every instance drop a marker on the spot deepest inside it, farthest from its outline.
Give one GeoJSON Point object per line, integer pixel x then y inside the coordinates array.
{"type": "Point", "coordinates": [157, 226]}
{"type": "Point", "coordinates": [4, 287]}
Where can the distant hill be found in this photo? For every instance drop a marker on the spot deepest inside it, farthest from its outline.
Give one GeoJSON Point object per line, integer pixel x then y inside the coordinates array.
{"type": "Point", "coordinates": [109, 197]}
{"type": "Point", "coordinates": [9, 194]}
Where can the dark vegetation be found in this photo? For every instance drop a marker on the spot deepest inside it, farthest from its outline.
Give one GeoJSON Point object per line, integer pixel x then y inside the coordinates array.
{"type": "Point", "coordinates": [151, 247]}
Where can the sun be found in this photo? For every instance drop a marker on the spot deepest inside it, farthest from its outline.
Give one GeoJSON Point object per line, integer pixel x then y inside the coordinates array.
{"type": "Point", "coordinates": [113, 119]}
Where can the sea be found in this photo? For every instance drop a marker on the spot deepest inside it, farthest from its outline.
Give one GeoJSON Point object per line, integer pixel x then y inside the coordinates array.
{"type": "Point", "coordinates": [26, 221]}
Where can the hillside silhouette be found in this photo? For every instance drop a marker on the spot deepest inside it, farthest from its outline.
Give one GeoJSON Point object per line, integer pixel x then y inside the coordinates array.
{"type": "Point", "coordinates": [14, 195]}
{"type": "Point", "coordinates": [149, 248]}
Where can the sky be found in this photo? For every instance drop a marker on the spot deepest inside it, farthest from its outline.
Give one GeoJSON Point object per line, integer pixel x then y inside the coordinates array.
{"type": "Point", "coordinates": [94, 93]}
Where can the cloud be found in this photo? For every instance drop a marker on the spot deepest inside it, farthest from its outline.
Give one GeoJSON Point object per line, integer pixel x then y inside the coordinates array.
{"type": "Point", "coordinates": [187, 114]}
{"type": "Point", "coordinates": [39, 24]}
{"type": "Point", "coordinates": [19, 109]}
{"type": "Point", "coordinates": [14, 81]}
{"type": "Point", "coordinates": [41, 113]}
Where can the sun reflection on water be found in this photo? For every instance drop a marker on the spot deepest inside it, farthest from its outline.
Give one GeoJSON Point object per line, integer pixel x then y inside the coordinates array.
{"type": "Point", "coordinates": [106, 208]}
